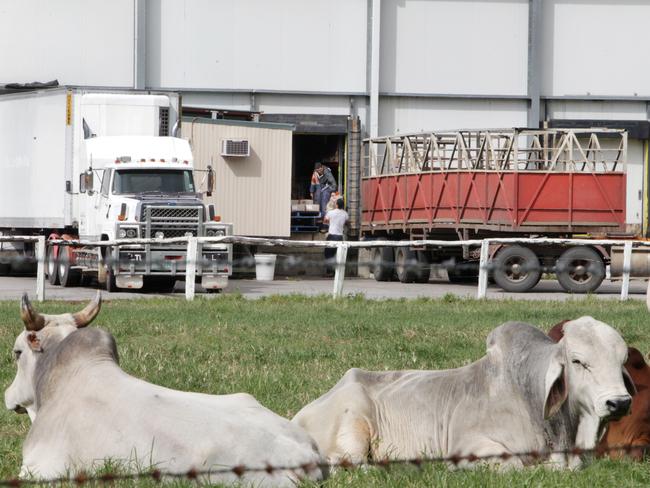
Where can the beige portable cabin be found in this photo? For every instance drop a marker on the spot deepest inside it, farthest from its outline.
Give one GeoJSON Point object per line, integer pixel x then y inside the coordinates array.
{"type": "Point", "coordinates": [252, 165]}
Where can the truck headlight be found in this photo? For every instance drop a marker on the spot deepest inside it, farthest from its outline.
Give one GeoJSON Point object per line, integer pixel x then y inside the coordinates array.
{"type": "Point", "coordinates": [159, 235]}
{"type": "Point", "coordinates": [127, 233]}
{"type": "Point", "coordinates": [215, 232]}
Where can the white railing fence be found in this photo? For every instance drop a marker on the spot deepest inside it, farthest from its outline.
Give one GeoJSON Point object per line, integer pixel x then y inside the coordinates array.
{"type": "Point", "coordinates": [340, 262]}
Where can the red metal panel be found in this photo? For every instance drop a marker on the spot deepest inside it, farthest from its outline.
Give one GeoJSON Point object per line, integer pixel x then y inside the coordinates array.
{"type": "Point", "coordinates": [513, 199]}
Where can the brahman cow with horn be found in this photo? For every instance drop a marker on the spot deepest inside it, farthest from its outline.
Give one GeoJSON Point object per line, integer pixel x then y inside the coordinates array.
{"type": "Point", "coordinates": [634, 429]}
{"type": "Point", "coordinates": [85, 410]}
{"type": "Point", "coordinates": [527, 394]}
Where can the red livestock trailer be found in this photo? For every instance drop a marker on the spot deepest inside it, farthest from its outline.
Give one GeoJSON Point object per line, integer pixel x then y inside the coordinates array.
{"type": "Point", "coordinates": [497, 183]}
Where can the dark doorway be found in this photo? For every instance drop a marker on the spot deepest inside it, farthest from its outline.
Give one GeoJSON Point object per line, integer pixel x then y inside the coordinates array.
{"type": "Point", "coordinates": [309, 149]}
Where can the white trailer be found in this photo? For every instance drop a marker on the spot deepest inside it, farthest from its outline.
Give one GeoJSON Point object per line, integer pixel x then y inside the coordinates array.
{"type": "Point", "coordinates": [78, 163]}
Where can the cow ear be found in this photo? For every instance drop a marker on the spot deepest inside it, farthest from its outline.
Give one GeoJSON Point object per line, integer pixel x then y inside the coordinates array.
{"type": "Point", "coordinates": [34, 342]}
{"type": "Point", "coordinates": [555, 386]}
{"type": "Point", "coordinates": [629, 384]}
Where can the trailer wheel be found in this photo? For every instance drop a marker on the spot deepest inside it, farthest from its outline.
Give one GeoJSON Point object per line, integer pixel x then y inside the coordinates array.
{"type": "Point", "coordinates": [382, 263]}
{"type": "Point", "coordinates": [423, 271]}
{"type": "Point", "coordinates": [580, 270]}
{"type": "Point", "coordinates": [405, 265]}
{"type": "Point", "coordinates": [51, 267]}
{"type": "Point", "coordinates": [517, 269]}
{"type": "Point", "coordinates": [68, 276]}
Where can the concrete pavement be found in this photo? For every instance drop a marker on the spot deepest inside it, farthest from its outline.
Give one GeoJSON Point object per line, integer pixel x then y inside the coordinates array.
{"type": "Point", "coordinates": [12, 287]}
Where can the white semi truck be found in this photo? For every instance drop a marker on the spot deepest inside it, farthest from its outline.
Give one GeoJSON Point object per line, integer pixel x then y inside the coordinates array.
{"type": "Point", "coordinates": [102, 166]}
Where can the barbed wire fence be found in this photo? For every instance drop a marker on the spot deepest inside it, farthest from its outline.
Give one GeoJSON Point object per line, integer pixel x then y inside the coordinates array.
{"type": "Point", "coordinates": [192, 259]}
{"type": "Point", "coordinates": [301, 471]}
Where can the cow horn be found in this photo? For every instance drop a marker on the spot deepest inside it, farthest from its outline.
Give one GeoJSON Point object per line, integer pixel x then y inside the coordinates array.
{"type": "Point", "coordinates": [33, 320]}
{"type": "Point", "coordinates": [87, 315]}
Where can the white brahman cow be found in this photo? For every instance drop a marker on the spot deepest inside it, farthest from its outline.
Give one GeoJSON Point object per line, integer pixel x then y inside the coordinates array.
{"type": "Point", "coordinates": [526, 394]}
{"type": "Point", "coordinates": [85, 410]}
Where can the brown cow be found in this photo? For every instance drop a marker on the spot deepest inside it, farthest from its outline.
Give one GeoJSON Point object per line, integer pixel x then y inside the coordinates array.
{"type": "Point", "coordinates": [634, 429]}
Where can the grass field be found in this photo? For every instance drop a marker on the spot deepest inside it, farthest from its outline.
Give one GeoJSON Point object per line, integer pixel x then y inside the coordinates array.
{"type": "Point", "coordinates": [286, 351]}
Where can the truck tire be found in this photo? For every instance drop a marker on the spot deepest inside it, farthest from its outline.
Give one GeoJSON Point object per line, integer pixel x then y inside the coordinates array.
{"type": "Point", "coordinates": [406, 264]}
{"type": "Point", "coordinates": [5, 268]}
{"type": "Point", "coordinates": [423, 271]}
{"type": "Point", "coordinates": [68, 276]}
{"type": "Point", "coordinates": [51, 266]}
{"type": "Point", "coordinates": [580, 270]}
{"type": "Point", "coordinates": [383, 263]}
{"type": "Point", "coordinates": [516, 269]}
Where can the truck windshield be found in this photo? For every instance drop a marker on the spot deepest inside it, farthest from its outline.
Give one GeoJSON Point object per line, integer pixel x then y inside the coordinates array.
{"type": "Point", "coordinates": [154, 180]}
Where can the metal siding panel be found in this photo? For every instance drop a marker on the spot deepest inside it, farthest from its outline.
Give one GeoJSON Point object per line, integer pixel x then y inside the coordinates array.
{"type": "Point", "coordinates": [474, 47]}
{"type": "Point", "coordinates": [421, 114]}
{"type": "Point", "coordinates": [595, 48]}
{"type": "Point", "coordinates": [590, 109]}
{"type": "Point", "coordinates": [253, 193]}
{"type": "Point", "coordinates": [86, 42]}
{"type": "Point", "coordinates": [315, 45]}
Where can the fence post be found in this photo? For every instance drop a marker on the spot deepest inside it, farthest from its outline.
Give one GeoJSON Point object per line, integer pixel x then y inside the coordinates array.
{"type": "Point", "coordinates": [40, 268]}
{"type": "Point", "coordinates": [339, 273]}
{"type": "Point", "coordinates": [190, 268]}
{"type": "Point", "coordinates": [627, 266]}
{"type": "Point", "coordinates": [482, 269]}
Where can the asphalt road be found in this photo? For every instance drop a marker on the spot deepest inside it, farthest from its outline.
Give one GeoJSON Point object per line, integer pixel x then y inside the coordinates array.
{"type": "Point", "coordinates": [12, 287]}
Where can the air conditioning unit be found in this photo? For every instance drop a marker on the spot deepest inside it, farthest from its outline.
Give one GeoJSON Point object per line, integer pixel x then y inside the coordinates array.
{"type": "Point", "coordinates": [238, 148]}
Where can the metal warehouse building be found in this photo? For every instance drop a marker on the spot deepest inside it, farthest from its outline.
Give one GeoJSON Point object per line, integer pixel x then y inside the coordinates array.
{"type": "Point", "coordinates": [338, 70]}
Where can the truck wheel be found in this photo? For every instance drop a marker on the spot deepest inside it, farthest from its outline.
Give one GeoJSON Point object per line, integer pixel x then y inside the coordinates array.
{"type": "Point", "coordinates": [516, 269]}
{"type": "Point", "coordinates": [5, 268]}
{"type": "Point", "coordinates": [580, 270]}
{"type": "Point", "coordinates": [383, 263]}
{"type": "Point", "coordinates": [405, 265]}
{"type": "Point", "coordinates": [67, 275]}
{"type": "Point", "coordinates": [423, 271]}
{"type": "Point", "coordinates": [51, 267]}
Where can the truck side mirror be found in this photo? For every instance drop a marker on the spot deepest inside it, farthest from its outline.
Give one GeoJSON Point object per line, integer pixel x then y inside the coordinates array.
{"type": "Point", "coordinates": [210, 181]}
{"type": "Point", "coordinates": [86, 182]}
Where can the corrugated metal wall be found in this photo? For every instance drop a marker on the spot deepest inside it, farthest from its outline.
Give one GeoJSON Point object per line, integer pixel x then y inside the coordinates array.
{"type": "Point", "coordinates": [253, 193]}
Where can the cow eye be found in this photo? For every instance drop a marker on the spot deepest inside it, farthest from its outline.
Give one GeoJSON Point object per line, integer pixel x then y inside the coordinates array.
{"type": "Point", "coordinates": [577, 361]}
{"type": "Point", "coordinates": [17, 355]}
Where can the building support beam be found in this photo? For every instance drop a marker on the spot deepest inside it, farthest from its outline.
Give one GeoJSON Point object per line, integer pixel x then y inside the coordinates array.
{"type": "Point", "coordinates": [534, 61]}
{"type": "Point", "coordinates": [372, 75]}
{"type": "Point", "coordinates": [139, 44]}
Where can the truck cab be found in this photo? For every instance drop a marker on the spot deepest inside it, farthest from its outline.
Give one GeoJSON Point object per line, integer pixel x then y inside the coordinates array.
{"type": "Point", "coordinates": [146, 187]}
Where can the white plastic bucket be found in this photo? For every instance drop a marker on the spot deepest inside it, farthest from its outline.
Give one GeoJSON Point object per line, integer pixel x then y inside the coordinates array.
{"type": "Point", "coordinates": [265, 267]}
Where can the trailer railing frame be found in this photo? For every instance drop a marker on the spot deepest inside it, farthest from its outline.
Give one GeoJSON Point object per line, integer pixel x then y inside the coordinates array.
{"type": "Point", "coordinates": [341, 253]}
{"type": "Point", "coordinates": [557, 149]}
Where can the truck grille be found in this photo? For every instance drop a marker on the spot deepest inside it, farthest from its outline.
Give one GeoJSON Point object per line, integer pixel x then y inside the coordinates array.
{"type": "Point", "coordinates": [172, 221]}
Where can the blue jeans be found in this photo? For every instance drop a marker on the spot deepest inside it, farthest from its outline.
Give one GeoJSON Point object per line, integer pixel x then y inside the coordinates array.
{"type": "Point", "coordinates": [325, 195]}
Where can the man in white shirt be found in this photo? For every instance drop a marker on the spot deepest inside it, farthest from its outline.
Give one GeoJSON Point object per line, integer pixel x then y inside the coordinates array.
{"type": "Point", "coordinates": [336, 219]}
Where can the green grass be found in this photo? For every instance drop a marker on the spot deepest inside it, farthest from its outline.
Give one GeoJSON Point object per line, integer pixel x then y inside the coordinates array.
{"type": "Point", "coordinates": [286, 351]}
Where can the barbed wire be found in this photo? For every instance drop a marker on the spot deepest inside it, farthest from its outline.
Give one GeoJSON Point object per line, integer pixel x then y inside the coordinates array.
{"type": "Point", "coordinates": [289, 261]}
{"type": "Point", "coordinates": [303, 470]}
{"type": "Point", "coordinates": [471, 261]}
